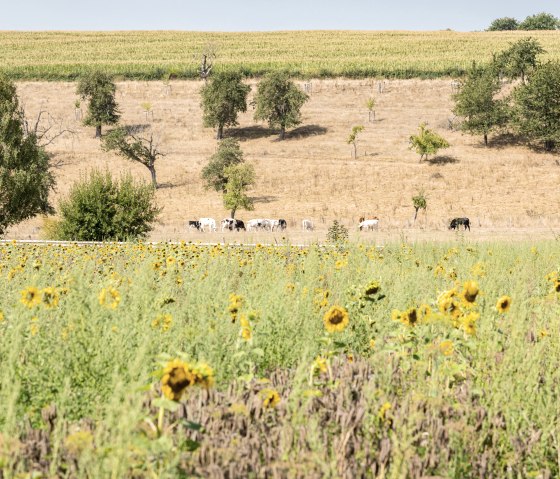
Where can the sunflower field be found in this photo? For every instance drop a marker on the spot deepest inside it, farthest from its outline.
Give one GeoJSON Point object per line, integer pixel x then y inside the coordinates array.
{"type": "Point", "coordinates": [180, 360]}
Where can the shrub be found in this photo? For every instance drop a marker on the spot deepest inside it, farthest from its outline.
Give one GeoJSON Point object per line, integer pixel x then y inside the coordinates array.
{"type": "Point", "coordinates": [100, 208]}
{"type": "Point", "coordinates": [337, 233]}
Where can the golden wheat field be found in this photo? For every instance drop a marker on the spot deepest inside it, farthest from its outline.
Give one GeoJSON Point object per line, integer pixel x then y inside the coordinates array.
{"type": "Point", "coordinates": [157, 54]}
{"type": "Point", "coordinates": [507, 190]}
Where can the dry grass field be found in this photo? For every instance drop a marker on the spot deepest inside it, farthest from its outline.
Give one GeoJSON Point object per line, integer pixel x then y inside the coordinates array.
{"type": "Point", "coordinates": [507, 190]}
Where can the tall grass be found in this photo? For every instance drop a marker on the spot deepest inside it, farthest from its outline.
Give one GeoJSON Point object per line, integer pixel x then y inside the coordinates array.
{"type": "Point", "coordinates": [317, 54]}
{"type": "Point", "coordinates": [79, 393]}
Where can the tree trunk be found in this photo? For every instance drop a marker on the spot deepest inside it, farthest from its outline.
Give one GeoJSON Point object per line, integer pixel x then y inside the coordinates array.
{"type": "Point", "coordinates": [549, 145]}
{"type": "Point", "coordinates": [232, 214]}
{"type": "Point", "coordinates": [415, 213]}
{"type": "Point", "coordinates": [98, 131]}
{"type": "Point", "coordinates": [355, 151]}
{"type": "Point", "coordinates": [153, 173]}
{"type": "Point", "coordinates": [485, 139]}
{"type": "Point", "coordinates": [220, 132]}
{"type": "Point", "coordinates": [282, 132]}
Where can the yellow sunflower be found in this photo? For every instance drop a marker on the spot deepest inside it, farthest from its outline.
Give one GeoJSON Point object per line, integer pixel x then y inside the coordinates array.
{"type": "Point", "coordinates": [503, 304]}
{"type": "Point", "coordinates": [203, 375]}
{"type": "Point", "coordinates": [270, 397]}
{"type": "Point", "coordinates": [557, 286]}
{"type": "Point", "coordinates": [446, 347]}
{"type": "Point", "coordinates": [30, 297]}
{"type": "Point", "coordinates": [372, 288]}
{"type": "Point", "coordinates": [177, 376]}
{"type": "Point", "coordinates": [470, 291]}
{"type": "Point", "coordinates": [336, 319]}
{"type": "Point", "coordinates": [50, 297]}
{"type": "Point", "coordinates": [109, 297]}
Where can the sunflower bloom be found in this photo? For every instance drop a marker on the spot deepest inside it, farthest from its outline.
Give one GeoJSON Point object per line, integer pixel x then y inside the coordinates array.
{"type": "Point", "coordinates": [203, 375]}
{"type": "Point", "coordinates": [372, 288]}
{"type": "Point", "coordinates": [50, 297]}
{"type": "Point", "coordinates": [30, 297]}
{"type": "Point", "coordinates": [446, 347]}
{"type": "Point", "coordinates": [470, 291]}
{"type": "Point", "coordinates": [270, 397]}
{"type": "Point", "coordinates": [503, 304]}
{"type": "Point", "coordinates": [468, 323]}
{"type": "Point", "coordinates": [557, 286]}
{"type": "Point", "coordinates": [109, 297]}
{"type": "Point", "coordinates": [246, 334]}
{"type": "Point", "coordinates": [336, 319]}
{"type": "Point", "coordinates": [383, 410]}
{"type": "Point", "coordinates": [177, 377]}
{"type": "Point", "coordinates": [319, 365]}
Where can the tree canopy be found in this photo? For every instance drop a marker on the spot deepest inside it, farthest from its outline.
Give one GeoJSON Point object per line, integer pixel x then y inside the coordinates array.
{"type": "Point", "coordinates": [537, 106]}
{"type": "Point", "coordinates": [228, 154]}
{"type": "Point", "coordinates": [99, 90]}
{"type": "Point", "coordinates": [222, 99]}
{"type": "Point", "coordinates": [427, 142]}
{"type": "Point", "coordinates": [476, 102]}
{"type": "Point", "coordinates": [279, 101]}
{"type": "Point", "coordinates": [520, 58]}
{"type": "Point", "coordinates": [25, 179]}
{"type": "Point", "coordinates": [239, 178]}
{"type": "Point", "coordinates": [504, 23]}
{"type": "Point", "coordinates": [540, 21]}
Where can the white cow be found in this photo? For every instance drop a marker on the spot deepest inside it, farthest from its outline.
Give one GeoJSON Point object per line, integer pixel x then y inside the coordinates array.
{"type": "Point", "coordinates": [227, 224]}
{"type": "Point", "coordinates": [207, 224]}
{"type": "Point", "coordinates": [255, 224]}
{"type": "Point", "coordinates": [369, 225]}
{"type": "Point", "coordinates": [307, 225]}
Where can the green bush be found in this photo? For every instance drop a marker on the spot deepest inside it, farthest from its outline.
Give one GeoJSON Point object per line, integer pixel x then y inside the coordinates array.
{"type": "Point", "coordinates": [101, 208]}
{"type": "Point", "coordinates": [337, 233]}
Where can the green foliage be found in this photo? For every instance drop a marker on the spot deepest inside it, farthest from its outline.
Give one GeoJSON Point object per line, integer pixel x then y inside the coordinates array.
{"type": "Point", "coordinates": [537, 106]}
{"type": "Point", "coordinates": [279, 101]}
{"type": "Point", "coordinates": [540, 21]}
{"type": "Point", "coordinates": [427, 142]}
{"type": "Point", "coordinates": [99, 90]}
{"type": "Point", "coordinates": [25, 179]}
{"type": "Point", "coordinates": [520, 58]}
{"type": "Point", "coordinates": [337, 233]}
{"type": "Point", "coordinates": [476, 102]}
{"type": "Point", "coordinates": [222, 99]}
{"type": "Point", "coordinates": [133, 147]}
{"type": "Point", "coordinates": [419, 202]}
{"type": "Point", "coordinates": [99, 208]}
{"type": "Point", "coordinates": [228, 154]}
{"type": "Point", "coordinates": [504, 23]}
{"type": "Point", "coordinates": [353, 138]}
{"type": "Point", "coordinates": [239, 178]}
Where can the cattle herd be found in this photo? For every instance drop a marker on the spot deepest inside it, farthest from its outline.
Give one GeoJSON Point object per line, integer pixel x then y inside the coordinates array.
{"type": "Point", "coordinates": [231, 224]}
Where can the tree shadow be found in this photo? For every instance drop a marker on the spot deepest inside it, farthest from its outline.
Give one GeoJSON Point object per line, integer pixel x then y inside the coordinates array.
{"type": "Point", "coordinates": [264, 199]}
{"type": "Point", "coordinates": [305, 131]}
{"type": "Point", "coordinates": [138, 128]}
{"type": "Point", "coordinates": [442, 160]}
{"type": "Point", "coordinates": [502, 140]}
{"type": "Point", "coordinates": [169, 184]}
{"type": "Point", "coordinates": [249, 132]}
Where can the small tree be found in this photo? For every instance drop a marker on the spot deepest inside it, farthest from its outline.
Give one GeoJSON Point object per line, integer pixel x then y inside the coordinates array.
{"type": "Point", "coordinates": [99, 208]}
{"type": "Point", "coordinates": [476, 103]}
{"type": "Point", "coordinates": [371, 108]}
{"type": "Point", "coordinates": [222, 99]}
{"type": "Point", "coordinates": [504, 23]}
{"type": "Point", "coordinates": [337, 233]}
{"type": "Point", "coordinates": [207, 57]}
{"type": "Point", "coordinates": [427, 142]}
{"type": "Point", "coordinates": [239, 178]}
{"type": "Point", "coordinates": [520, 58]}
{"type": "Point", "coordinates": [540, 21]}
{"type": "Point", "coordinates": [214, 173]}
{"type": "Point", "coordinates": [133, 147]}
{"type": "Point", "coordinates": [25, 179]}
{"type": "Point", "coordinates": [419, 202]}
{"type": "Point", "coordinates": [353, 138]}
{"type": "Point", "coordinates": [99, 91]}
{"type": "Point", "coordinates": [537, 106]}
{"type": "Point", "coordinates": [279, 101]}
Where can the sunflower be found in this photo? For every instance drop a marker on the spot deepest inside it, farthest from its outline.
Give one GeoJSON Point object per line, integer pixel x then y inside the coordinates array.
{"type": "Point", "coordinates": [50, 297]}
{"type": "Point", "coordinates": [468, 323]}
{"type": "Point", "coordinates": [336, 319]}
{"type": "Point", "coordinates": [470, 291]}
{"type": "Point", "coordinates": [270, 397]}
{"type": "Point", "coordinates": [109, 297]}
{"type": "Point", "coordinates": [320, 365]}
{"type": "Point", "coordinates": [30, 297]}
{"type": "Point", "coordinates": [203, 375]}
{"type": "Point", "coordinates": [446, 347]}
{"type": "Point", "coordinates": [246, 334]}
{"type": "Point", "coordinates": [372, 288]}
{"type": "Point", "coordinates": [557, 286]}
{"type": "Point", "coordinates": [177, 376]}
{"type": "Point", "coordinates": [503, 304]}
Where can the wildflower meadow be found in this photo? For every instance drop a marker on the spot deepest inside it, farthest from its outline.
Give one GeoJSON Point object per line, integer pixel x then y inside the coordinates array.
{"type": "Point", "coordinates": [183, 360]}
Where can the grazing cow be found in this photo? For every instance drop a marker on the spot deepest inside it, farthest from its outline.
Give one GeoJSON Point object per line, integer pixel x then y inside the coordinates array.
{"type": "Point", "coordinates": [268, 224]}
{"type": "Point", "coordinates": [194, 224]}
{"type": "Point", "coordinates": [307, 225]}
{"type": "Point", "coordinates": [456, 222]}
{"type": "Point", "coordinates": [232, 224]}
{"type": "Point", "coordinates": [207, 224]}
{"type": "Point", "coordinates": [255, 224]}
{"type": "Point", "coordinates": [239, 225]}
{"type": "Point", "coordinates": [279, 225]}
{"type": "Point", "coordinates": [362, 219]}
{"type": "Point", "coordinates": [369, 224]}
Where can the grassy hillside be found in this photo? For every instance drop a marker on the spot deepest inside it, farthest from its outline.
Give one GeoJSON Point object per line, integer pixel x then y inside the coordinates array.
{"type": "Point", "coordinates": [153, 55]}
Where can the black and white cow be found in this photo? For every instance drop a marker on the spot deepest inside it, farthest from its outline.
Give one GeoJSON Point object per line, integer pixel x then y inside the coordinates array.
{"type": "Point", "coordinates": [194, 224]}
{"type": "Point", "coordinates": [456, 222]}
{"type": "Point", "coordinates": [232, 224]}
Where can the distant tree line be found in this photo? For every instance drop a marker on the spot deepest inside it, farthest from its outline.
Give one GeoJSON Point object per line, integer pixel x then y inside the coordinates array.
{"type": "Point", "coordinates": [540, 21]}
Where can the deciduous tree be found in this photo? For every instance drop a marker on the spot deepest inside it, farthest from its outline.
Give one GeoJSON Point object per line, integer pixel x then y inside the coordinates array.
{"type": "Point", "coordinates": [214, 173]}
{"type": "Point", "coordinates": [99, 90]}
{"type": "Point", "coordinates": [504, 23]}
{"type": "Point", "coordinates": [239, 178]}
{"type": "Point", "coordinates": [427, 142]}
{"type": "Point", "coordinates": [540, 21]}
{"type": "Point", "coordinates": [222, 99]}
{"type": "Point", "coordinates": [279, 101]}
{"type": "Point", "coordinates": [520, 58]}
{"type": "Point", "coordinates": [25, 179]}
